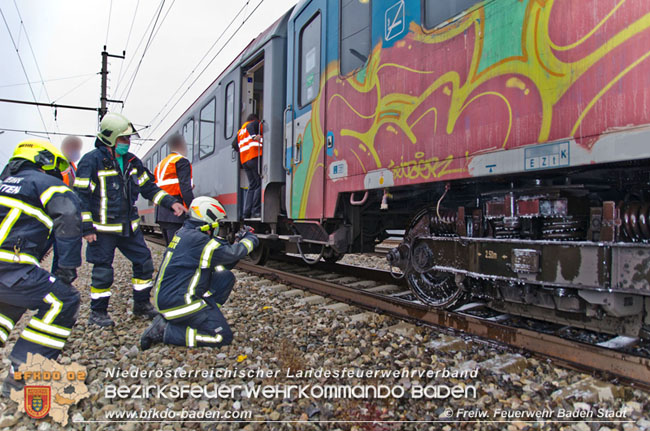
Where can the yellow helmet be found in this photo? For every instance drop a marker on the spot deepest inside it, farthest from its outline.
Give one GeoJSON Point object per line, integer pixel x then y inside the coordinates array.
{"type": "Point", "coordinates": [113, 126]}
{"type": "Point", "coordinates": [43, 154]}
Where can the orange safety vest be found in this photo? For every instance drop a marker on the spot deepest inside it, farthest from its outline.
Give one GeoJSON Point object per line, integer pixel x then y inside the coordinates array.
{"type": "Point", "coordinates": [248, 148]}
{"type": "Point", "coordinates": [69, 174]}
{"type": "Point", "coordinates": [166, 177]}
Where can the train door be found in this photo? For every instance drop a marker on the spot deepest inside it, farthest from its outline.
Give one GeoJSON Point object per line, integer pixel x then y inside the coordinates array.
{"type": "Point", "coordinates": [252, 98]}
{"type": "Point", "coordinates": [304, 149]}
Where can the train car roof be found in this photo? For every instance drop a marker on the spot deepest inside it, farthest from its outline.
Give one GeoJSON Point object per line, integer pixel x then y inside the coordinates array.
{"type": "Point", "coordinates": [277, 29]}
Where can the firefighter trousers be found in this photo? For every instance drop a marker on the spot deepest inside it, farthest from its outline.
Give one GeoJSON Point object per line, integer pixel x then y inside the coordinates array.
{"type": "Point", "coordinates": [101, 253]}
{"type": "Point", "coordinates": [23, 288]}
{"type": "Point", "coordinates": [208, 326]}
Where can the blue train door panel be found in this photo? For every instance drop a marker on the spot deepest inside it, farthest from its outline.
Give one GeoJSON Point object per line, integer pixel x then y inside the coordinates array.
{"type": "Point", "coordinates": [304, 149]}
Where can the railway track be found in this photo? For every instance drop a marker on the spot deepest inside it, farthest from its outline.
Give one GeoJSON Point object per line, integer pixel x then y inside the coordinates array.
{"type": "Point", "coordinates": [603, 357]}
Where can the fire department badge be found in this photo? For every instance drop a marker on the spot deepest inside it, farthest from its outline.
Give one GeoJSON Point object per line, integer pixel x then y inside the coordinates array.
{"type": "Point", "coordinates": [37, 401]}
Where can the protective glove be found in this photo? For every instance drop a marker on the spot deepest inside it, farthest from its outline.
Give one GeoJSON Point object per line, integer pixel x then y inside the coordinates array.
{"type": "Point", "coordinates": [66, 275]}
{"type": "Point", "coordinates": [243, 231]}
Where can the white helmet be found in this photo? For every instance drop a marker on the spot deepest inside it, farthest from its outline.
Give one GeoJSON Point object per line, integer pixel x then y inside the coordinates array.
{"type": "Point", "coordinates": [208, 210]}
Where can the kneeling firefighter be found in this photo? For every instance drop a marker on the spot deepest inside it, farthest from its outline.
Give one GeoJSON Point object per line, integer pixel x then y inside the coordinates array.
{"type": "Point", "coordinates": [35, 204]}
{"type": "Point", "coordinates": [195, 280]}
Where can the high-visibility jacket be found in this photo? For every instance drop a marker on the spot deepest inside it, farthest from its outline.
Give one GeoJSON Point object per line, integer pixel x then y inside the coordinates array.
{"type": "Point", "coordinates": [70, 174]}
{"type": "Point", "coordinates": [248, 148]}
{"type": "Point", "coordinates": [167, 176]}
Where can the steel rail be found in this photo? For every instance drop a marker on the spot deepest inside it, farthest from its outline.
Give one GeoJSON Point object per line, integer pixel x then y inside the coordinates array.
{"type": "Point", "coordinates": [582, 356]}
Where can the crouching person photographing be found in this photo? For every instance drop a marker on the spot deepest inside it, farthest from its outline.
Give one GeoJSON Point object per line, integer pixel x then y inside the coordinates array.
{"type": "Point", "coordinates": [195, 280]}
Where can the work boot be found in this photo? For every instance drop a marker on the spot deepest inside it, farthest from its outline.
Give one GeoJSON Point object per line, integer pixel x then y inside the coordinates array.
{"type": "Point", "coordinates": [100, 318]}
{"type": "Point", "coordinates": [154, 333]}
{"type": "Point", "coordinates": [10, 383]}
{"type": "Point", "coordinates": [144, 309]}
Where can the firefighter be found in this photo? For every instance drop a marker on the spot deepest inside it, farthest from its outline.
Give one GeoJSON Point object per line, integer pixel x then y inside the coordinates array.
{"type": "Point", "coordinates": [109, 180]}
{"type": "Point", "coordinates": [71, 149]}
{"type": "Point", "coordinates": [195, 280]}
{"type": "Point", "coordinates": [249, 143]}
{"type": "Point", "coordinates": [174, 175]}
{"type": "Point", "coordinates": [35, 203]}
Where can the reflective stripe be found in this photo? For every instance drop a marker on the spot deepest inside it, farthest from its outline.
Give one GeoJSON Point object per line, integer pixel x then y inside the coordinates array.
{"type": "Point", "coordinates": [190, 337]}
{"type": "Point", "coordinates": [47, 194]}
{"type": "Point", "coordinates": [103, 196]}
{"type": "Point", "coordinates": [55, 307]}
{"type": "Point", "coordinates": [99, 293]}
{"type": "Point", "coordinates": [81, 183]}
{"type": "Point", "coordinates": [168, 182]}
{"type": "Point", "coordinates": [44, 340]}
{"type": "Point", "coordinates": [143, 179]}
{"type": "Point", "coordinates": [160, 173]}
{"type": "Point", "coordinates": [220, 268]}
{"type": "Point", "coordinates": [176, 312]}
{"type": "Point", "coordinates": [86, 216]}
{"type": "Point", "coordinates": [161, 274]}
{"type": "Point", "coordinates": [141, 284]}
{"type": "Point", "coordinates": [12, 257]}
{"type": "Point", "coordinates": [134, 224]}
{"type": "Point", "coordinates": [3, 335]}
{"type": "Point", "coordinates": [108, 227]}
{"type": "Point", "coordinates": [248, 244]}
{"type": "Point", "coordinates": [93, 186]}
{"type": "Point", "coordinates": [159, 197]}
{"type": "Point", "coordinates": [134, 171]}
{"type": "Point", "coordinates": [52, 329]}
{"type": "Point", "coordinates": [249, 146]}
{"type": "Point", "coordinates": [191, 289]}
{"type": "Point", "coordinates": [206, 254]}
{"type": "Point", "coordinates": [6, 322]}
{"type": "Point", "coordinates": [209, 339]}
{"type": "Point", "coordinates": [8, 222]}
{"type": "Point", "coordinates": [27, 209]}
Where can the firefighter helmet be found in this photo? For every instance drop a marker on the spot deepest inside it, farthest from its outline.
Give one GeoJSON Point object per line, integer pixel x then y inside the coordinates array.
{"type": "Point", "coordinates": [113, 126]}
{"type": "Point", "coordinates": [208, 210]}
{"type": "Point", "coordinates": [43, 154]}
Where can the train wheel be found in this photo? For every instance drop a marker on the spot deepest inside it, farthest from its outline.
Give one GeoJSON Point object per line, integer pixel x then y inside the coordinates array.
{"type": "Point", "coordinates": [260, 254]}
{"type": "Point", "coordinates": [330, 256]}
{"type": "Point", "coordinates": [435, 288]}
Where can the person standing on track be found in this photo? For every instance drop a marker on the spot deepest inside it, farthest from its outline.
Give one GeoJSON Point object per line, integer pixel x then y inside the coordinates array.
{"type": "Point", "coordinates": [109, 181]}
{"type": "Point", "coordinates": [249, 143]}
{"type": "Point", "coordinates": [34, 204]}
{"type": "Point", "coordinates": [71, 149]}
{"type": "Point", "coordinates": [195, 280]}
{"type": "Point", "coordinates": [174, 175]}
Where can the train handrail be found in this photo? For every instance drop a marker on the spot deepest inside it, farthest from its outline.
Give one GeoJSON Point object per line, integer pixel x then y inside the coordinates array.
{"type": "Point", "coordinates": [284, 153]}
{"type": "Point", "coordinates": [359, 202]}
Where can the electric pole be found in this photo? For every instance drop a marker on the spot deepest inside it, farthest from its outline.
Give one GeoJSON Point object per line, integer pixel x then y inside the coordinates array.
{"type": "Point", "coordinates": [104, 97]}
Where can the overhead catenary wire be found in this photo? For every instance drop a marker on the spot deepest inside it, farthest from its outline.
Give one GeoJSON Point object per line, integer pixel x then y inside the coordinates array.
{"type": "Point", "coordinates": [146, 48]}
{"type": "Point", "coordinates": [74, 88]}
{"type": "Point", "coordinates": [198, 63]}
{"type": "Point", "coordinates": [18, 84]}
{"type": "Point", "coordinates": [83, 135]}
{"type": "Point", "coordinates": [22, 65]}
{"type": "Point", "coordinates": [128, 38]}
{"type": "Point", "coordinates": [108, 25]}
{"type": "Point", "coordinates": [206, 67]}
{"type": "Point", "coordinates": [133, 56]}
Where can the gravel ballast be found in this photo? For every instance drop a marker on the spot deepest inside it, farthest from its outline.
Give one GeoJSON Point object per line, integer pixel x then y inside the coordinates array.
{"type": "Point", "coordinates": [276, 331]}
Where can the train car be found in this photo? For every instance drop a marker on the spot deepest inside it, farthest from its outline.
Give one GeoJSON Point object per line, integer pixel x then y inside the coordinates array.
{"type": "Point", "coordinates": [509, 138]}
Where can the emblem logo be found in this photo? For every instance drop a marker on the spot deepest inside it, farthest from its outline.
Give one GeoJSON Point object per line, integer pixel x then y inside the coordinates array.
{"type": "Point", "coordinates": [37, 401]}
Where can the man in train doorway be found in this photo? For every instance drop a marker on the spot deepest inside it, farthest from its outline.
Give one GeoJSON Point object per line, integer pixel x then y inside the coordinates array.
{"type": "Point", "coordinates": [195, 280]}
{"type": "Point", "coordinates": [249, 142]}
{"type": "Point", "coordinates": [109, 180]}
{"type": "Point", "coordinates": [174, 175]}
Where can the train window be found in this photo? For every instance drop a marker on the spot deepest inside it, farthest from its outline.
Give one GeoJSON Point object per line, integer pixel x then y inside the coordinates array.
{"type": "Point", "coordinates": [154, 160]}
{"type": "Point", "coordinates": [188, 135]}
{"type": "Point", "coordinates": [355, 45]}
{"type": "Point", "coordinates": [310, 41]}
{"type": "Point", "coordinates": [436, 11]}
{"type": "Point", "coordinates": [230, 110]}
{"type": "Point", "coordinates": [164, 151]}
{"type": "Point", "coordinates": [207, 121]}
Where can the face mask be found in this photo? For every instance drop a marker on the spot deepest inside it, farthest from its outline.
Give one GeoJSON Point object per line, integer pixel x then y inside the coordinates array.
{"type": "Point", "coordinates": [121, 149]}
{"type": "Point", "coordinates": [74, 156]}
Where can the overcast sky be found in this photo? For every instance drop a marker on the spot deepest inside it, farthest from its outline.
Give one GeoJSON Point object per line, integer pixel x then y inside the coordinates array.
{"type": "Point", "coordinates": [67, 37]}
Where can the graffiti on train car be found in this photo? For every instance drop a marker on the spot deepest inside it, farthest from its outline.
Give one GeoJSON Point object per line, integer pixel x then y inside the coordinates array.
{"type": "Point", "coordinates": [507, 74]}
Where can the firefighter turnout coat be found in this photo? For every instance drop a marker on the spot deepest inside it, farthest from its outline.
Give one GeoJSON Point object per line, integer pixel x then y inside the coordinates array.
{"type": "Point", "coordinates": [108, 194]}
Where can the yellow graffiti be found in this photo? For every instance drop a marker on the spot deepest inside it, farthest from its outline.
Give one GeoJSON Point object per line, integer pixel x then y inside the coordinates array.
{"type": "Point", "coordinates": [538, 64]}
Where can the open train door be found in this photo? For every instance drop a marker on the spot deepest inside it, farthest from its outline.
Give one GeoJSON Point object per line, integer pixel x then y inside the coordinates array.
{"type": "Point", "coordinates": [304, 149]}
